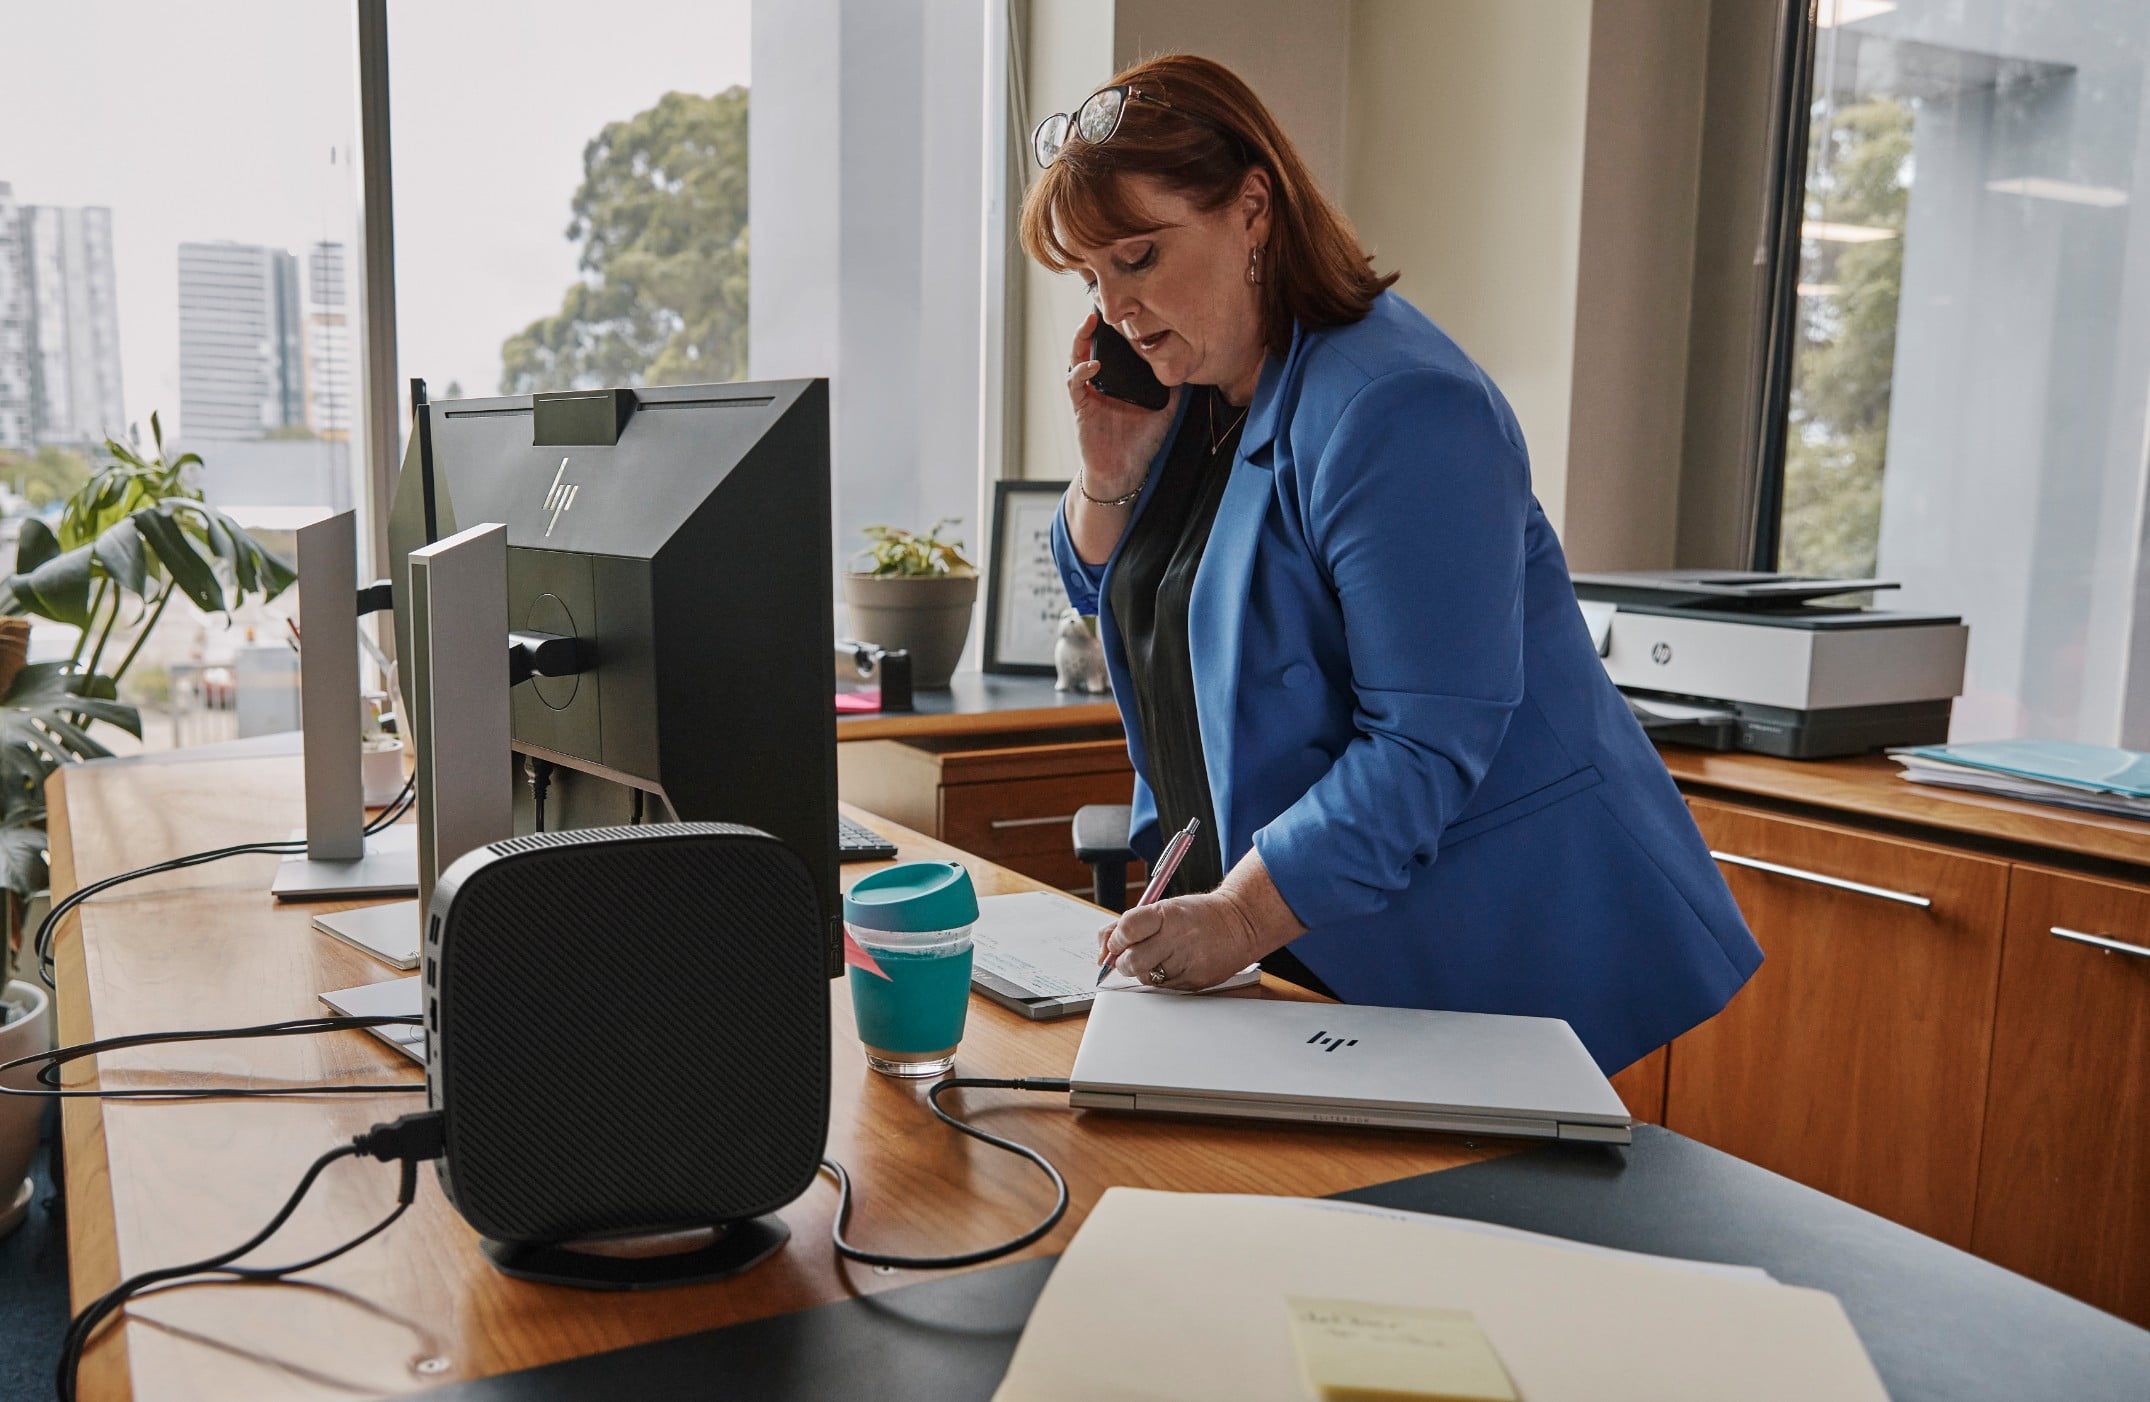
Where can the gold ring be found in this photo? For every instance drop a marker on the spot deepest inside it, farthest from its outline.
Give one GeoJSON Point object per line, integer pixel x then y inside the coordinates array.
{"type": "Point", "coordinates": [1158, 977]}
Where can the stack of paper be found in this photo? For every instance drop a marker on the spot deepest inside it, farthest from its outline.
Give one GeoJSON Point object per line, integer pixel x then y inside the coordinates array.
{"type": "Point", "coordinates": [2092, 777]}
{"type": "Point", "coordinates": [1253, 1299]}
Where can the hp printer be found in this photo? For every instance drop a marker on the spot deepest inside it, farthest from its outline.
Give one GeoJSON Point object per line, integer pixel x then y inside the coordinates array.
{"type": "Point", "coordinates": [1731, 660]}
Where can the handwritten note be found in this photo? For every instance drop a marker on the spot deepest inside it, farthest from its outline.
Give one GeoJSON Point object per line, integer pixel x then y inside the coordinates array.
{"type": "Point", "coordinates": [1354, 1351]}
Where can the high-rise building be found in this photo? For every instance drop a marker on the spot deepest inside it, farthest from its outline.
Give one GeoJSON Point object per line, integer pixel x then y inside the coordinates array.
{"type": "Point", "coordinates": [15, 430]}
{"type": "Point", "coordinates": [75, 393]}
{"type": "Point", "coordinates": [242, 364]}
{"type": "Point", "coordinates": [330, 386]}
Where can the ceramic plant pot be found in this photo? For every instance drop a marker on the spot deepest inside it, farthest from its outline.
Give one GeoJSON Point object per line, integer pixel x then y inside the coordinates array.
{"type": "Point", "coordinates": [30, 1031]}
{"type": "Point", "coordinates": [927, 616]}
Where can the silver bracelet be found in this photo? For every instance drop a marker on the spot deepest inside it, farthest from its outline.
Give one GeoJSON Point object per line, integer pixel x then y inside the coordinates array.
{"type": "Point", "coordinates": [1110, 501]}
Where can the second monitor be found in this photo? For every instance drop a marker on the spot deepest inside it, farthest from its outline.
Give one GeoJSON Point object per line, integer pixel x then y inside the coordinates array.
{"type": "Point", "coordinates": [670, 586]}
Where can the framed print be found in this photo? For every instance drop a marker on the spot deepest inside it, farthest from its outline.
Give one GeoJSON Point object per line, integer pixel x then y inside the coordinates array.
{"type": "Point", "coordinates": [1023, 597]}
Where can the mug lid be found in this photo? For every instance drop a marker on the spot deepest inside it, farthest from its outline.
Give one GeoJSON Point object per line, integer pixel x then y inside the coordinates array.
{"type": "Point", "coordinates": [913, 897]}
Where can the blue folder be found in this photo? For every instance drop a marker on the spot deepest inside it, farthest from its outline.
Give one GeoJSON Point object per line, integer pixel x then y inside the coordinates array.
{"type": "Point", "coordinates": [2096, 767]}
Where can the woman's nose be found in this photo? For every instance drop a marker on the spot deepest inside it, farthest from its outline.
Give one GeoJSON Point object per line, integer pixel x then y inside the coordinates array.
{"type": "Point", "coordinates": [1117, 307]}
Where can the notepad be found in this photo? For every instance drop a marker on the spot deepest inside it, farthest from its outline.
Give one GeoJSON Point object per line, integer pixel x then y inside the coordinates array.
{"type": "Point", "coordinates": [1036, 952]}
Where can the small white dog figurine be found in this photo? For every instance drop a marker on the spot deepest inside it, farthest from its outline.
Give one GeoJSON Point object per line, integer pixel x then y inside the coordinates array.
{"type": "Point", "coordinates": [1079, 656]}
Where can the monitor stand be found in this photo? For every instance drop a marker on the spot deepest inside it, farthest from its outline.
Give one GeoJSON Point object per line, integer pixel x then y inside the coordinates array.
{"type": "Point", "coordinates": [458, 686]}
{"type": "Point", "coordinates": [340, 861]}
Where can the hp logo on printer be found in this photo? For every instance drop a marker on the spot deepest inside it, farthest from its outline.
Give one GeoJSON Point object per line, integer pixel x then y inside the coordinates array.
{"type": "Point", "coordinates": [1330, 1044]}
{"type": "Point", "coordinates": [560, 496]}
{"type": "Point", "coordinates": [1660, 653]}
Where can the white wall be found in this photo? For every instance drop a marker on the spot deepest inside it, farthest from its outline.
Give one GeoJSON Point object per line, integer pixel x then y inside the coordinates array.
{"type": "Point", "coordinates": [1464, 169]}
{"type": "Point", "coordinates": [866, 161]}
{"type": "Point", "coordinates": [1450, 132]}
{"type": "Point", "coordinates": [1070, 54]}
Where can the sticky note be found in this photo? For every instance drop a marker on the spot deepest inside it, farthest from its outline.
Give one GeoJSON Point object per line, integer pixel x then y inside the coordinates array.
{"type": "Point", "coordinates": [1357, 1351]}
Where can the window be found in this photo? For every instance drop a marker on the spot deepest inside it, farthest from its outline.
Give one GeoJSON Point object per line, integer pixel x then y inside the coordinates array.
{"type": "Point", "coordinates": [178, 236]}
{"type": "Point", "coordinates": [570, 193]}
{"type": "Point", "coordinates": [1971, 366]}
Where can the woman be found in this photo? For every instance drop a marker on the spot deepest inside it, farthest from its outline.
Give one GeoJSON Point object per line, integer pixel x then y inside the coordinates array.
{"type": "Point", "coordinates": [1339, 627]}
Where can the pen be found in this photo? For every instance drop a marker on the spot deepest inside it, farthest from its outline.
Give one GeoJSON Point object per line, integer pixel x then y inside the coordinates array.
{"type": "Point", "coordinates": [1168, 861]}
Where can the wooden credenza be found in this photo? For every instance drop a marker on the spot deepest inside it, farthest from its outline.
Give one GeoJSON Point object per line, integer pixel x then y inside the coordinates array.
{"type": "Point", "coordinates": [1936, 1033]}
{"type": "Point", "coordinates": [1007, 797]}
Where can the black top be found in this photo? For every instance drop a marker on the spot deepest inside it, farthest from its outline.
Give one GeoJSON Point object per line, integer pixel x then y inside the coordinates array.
{"type": "Point", "coordinates": [1151, 586]}
{"type": "Point", "coordinates": [1940, 1325]}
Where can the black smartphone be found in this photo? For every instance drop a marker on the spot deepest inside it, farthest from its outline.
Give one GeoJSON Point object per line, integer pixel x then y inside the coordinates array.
{"type": "Point", "coordinates": [1123, 373]}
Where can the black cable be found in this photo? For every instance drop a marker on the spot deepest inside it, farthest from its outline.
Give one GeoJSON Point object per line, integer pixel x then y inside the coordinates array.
{"type": "Point", "coordinates": [50, 1062]}
{"type": "Point", "coordinates": [43, 943]}
{"type": "Point", "coordinates": [538, 772]}
{"type": "Point", "coordinates": [968, 1258]}
{"type": "Point", "coordinates": [409, 1141]}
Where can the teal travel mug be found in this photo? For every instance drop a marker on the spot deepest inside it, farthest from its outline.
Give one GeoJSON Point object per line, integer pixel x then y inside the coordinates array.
{"type": "Point", "coordinates": [915, 921]}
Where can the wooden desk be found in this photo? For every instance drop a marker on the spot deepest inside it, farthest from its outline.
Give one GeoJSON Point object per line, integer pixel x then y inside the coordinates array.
{"type": "Point", "coordinates": [984, 703]}
{"type": "Point", "coordinates": [151, 1184]}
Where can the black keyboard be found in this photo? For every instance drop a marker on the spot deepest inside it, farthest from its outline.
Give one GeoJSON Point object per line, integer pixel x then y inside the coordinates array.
{"type": "Point", "coordinates": [855, 842]}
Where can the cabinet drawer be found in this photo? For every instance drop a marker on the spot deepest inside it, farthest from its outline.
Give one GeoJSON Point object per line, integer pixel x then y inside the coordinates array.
{"type": "Point", "coordinates": [1025, 824]}
{"type": "Point", "coordinates": [2064, 1178]}
{"type": "Point", "coordinates": [1855, 1059]}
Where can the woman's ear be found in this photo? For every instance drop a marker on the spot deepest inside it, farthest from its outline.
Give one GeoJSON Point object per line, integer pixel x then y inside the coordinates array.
{"type": "Point", "coordinates": [1254, 203]}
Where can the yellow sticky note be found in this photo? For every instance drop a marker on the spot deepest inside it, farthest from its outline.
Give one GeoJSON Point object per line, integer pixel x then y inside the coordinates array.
{"type": "Point", "coordinates": [1355, 1351]}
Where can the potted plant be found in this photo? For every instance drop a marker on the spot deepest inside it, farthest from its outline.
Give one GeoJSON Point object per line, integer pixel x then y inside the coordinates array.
{"type": "Point", "coordinates": [134, 535]}
{"type": "Point", "coordinates": [915, 592]}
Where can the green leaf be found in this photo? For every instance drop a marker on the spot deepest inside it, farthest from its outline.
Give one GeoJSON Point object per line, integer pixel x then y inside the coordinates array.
{"type": "Point", "coordinates": [75, 740]}
{"type": "Point", "coordinates": [175, 551]}
{"type": "Point", "coordinates": [119, 550]}
{"type": "Point", "coordinates": [59, 588]}
{"type": "Point", "coordinates": [23, 867]}
{"type": "Point", "coordinates": [35, 545]}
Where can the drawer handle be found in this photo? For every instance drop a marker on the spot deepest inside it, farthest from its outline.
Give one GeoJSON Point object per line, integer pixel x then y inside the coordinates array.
{"type": "Point", "coordinates": [2104, 942]}
{"type": "Point", "coordinates": [1834, 883]}
{"type": "Point", "coordinates": [1063, 819]}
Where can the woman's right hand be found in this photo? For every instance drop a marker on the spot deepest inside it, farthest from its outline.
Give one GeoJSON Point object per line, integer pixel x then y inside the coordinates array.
{"type": "Point", "coordinates": [1117, 440]}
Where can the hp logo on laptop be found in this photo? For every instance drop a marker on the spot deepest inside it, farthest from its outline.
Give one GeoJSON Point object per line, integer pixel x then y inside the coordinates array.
{"type": "Point", "coordinates": [1660, 654]}
{"type": "Point", "coordinates": [1330, 1044]}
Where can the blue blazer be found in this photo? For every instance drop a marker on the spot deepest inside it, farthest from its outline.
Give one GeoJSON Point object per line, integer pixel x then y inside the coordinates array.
{"type": "Point", "coordinates": [1401, 709]}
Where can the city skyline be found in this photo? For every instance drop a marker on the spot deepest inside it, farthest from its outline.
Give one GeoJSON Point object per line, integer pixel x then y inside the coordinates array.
{"type": "Point", "coordinates": [493, 103]}
{"type": "Point", "coordinates": [60, 372]}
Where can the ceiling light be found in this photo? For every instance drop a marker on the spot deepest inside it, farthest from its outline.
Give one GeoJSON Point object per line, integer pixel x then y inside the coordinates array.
{"type": "Point", "coordinates": [2038, 187]}
{"type": "Point", "coordinates": [1828, 14]}
{"type": "Point", "coordinates": [1844, 233]}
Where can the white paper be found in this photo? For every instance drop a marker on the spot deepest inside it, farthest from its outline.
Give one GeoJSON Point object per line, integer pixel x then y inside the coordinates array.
{"type": "Point", "coordinates": [1047, 943]}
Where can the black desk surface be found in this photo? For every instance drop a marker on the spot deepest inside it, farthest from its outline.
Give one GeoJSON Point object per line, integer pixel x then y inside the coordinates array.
{"type": "Point", "coordinates": [1940, 1325]}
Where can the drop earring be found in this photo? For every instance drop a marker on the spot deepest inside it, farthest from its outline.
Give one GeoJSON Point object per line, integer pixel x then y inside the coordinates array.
{"type": "Point", "coordinates": [1254, 266]}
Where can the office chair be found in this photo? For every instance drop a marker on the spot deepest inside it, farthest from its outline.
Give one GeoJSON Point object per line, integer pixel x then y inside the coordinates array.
{"type": "Point", "coordinates": [1100, 833]}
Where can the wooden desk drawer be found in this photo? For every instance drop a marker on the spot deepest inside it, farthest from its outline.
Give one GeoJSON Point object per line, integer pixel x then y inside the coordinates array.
{"type": "Point", "coordinates": [2064, 1177]}
{"type": "Point", "coordinates": [1855, 1059]}
{"type": "Point", "coordinates": [1025, 824]}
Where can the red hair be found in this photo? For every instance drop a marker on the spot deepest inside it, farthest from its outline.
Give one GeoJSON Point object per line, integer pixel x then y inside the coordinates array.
{"type": "Point", "coordinates": [1201, 146]}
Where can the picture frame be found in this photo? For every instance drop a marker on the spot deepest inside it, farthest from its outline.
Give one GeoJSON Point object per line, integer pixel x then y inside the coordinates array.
{"type": "Point", "coordinates": [1024, 597]}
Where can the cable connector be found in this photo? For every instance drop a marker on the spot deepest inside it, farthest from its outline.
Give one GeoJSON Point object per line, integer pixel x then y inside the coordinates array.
{"type": "Point", "coordinates": [410, 1139]}
{"type": "Point", "coordinates": [1048, 1084]}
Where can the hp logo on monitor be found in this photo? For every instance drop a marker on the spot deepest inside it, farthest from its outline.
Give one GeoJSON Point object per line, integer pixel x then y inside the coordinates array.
{"type": "Point", "coordinates": [560, 496]}
{"type": "Point", "coordinates": [1330, 1044]}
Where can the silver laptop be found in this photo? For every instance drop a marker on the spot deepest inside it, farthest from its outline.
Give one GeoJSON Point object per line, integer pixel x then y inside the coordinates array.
{"type": "Point", "coordinates": [1329, 1063]}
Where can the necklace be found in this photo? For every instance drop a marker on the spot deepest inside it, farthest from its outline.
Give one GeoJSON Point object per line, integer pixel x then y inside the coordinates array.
{"type": "Point", "coordinates": [1215, 440]}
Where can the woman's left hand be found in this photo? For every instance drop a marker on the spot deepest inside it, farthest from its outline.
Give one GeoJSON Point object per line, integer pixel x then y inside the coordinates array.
{"type": "Point", "coordinates": [1195, 940]}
